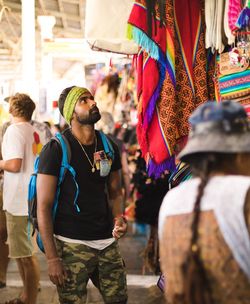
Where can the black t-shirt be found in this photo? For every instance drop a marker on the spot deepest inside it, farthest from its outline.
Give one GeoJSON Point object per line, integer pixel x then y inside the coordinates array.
{"type": "Point", "coordinates": [94, 221]}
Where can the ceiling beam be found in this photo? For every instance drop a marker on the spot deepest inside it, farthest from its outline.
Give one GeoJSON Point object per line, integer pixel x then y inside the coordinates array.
{"type": "Point", "coordinates": [82, 5]}
{"type": "Point", "coordinates": [17, 8]}
{"type": "Point", "coordinates": [64, 19]}
{"type": "Point", "coordinates": [9, 43]}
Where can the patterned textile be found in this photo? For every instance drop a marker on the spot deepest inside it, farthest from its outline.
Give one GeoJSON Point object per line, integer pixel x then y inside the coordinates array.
{"type": "Point", "coordinates": [191, 85]}
{"type": "Point", "coordinates": [235, 85]}
{"type": "Point", "coordinates": [151, 67]}
{"type": "Point", "coordinates": [233, 13]}
{"type": "Point", "coordinates": [228, 283]}
{"type": "Point", "coordinates": [173, 78]}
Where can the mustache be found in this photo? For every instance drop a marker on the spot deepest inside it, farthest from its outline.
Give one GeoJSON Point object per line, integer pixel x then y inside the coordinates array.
{"type": "Point", "coordinates": [94, 109]}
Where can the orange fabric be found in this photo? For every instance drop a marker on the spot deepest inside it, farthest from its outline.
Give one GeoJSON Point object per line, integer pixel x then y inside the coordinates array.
{"type": "Point", "coordinates": [176, 105]}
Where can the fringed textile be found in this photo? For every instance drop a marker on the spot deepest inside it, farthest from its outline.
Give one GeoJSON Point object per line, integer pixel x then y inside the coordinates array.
{"type": "Point", "coordinates": [151, 68]}
{"type": "Point", "coordinates": [172, 78]}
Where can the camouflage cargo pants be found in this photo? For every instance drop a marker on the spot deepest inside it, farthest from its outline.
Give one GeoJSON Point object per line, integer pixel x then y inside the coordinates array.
{"type": "Point", "coordinates": [104, 267]}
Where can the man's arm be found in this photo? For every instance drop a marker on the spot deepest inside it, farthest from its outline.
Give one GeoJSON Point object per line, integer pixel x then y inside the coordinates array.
{"type": "Point", "coordinates": [11, 165]}
{"type": "Point", "coordinates": [46, 191]}
{"type": "Point", "coordinates": [115, 192]}
{"type": "Point", "coordinates": [125, 174]}
{"type": "Point", "coordinates": [116, 197]}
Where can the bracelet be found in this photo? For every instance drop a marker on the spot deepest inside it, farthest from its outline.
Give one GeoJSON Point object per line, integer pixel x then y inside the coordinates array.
{"type": "Point", "coordinates": [123, 217]}
{"type": "Point", "coordinates": [53, 260]}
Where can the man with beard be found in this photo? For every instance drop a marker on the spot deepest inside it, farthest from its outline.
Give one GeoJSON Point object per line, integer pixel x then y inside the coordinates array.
{"type": "Point", "coordinates": [81, 243]}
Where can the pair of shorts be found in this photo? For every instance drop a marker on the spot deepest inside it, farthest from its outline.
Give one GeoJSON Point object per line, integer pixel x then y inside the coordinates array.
{"type": "Point", "coordinates": [19, 240]}
{"type": "Point", "coordinates": [105, 268]}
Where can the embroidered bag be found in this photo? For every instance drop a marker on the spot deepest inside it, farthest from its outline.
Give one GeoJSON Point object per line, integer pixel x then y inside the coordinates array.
{"type": "Point", "coordinates": [233, 81]}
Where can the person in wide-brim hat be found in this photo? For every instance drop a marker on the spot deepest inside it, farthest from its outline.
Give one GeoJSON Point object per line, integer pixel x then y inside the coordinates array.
{"type": "Point", "coordinates": [221, 128]}
{"type": "Point", "coordinates": [204, 223]}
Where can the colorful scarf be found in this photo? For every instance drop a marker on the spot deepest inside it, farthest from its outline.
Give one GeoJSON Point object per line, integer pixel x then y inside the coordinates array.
{"type": "Point", "coordinates": [172, 78]}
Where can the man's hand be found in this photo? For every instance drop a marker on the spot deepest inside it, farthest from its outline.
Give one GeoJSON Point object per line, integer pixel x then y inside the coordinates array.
{"type": "Point", "coordinates": [56, 271]}
{"type": "Point", "coordinates": [120, 227]}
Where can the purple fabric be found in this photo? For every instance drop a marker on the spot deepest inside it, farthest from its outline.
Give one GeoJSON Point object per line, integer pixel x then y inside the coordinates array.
{"type": "Point", "coordinates": [157, 169]}
{"type": "Point", "coordinates": [244, 18]}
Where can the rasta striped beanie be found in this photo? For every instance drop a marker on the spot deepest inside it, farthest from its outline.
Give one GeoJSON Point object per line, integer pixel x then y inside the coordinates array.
{"type": "Point", "coordinates": [68, 100]}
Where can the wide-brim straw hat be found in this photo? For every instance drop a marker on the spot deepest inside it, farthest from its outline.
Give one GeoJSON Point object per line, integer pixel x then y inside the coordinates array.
{"type": "Point", "coordinates": [218, 127]}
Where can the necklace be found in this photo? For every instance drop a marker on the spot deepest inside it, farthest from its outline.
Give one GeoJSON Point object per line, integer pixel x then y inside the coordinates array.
{"type": "Point", "coordinates": [91, 164]}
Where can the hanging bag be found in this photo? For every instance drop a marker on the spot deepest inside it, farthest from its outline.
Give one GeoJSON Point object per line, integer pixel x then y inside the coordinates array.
{"type": "Point", "coordinates": [233, 80]}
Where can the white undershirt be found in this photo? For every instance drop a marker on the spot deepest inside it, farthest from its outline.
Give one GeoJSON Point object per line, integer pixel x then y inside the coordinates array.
{"type": "Point", "coordinates": [97, 244]}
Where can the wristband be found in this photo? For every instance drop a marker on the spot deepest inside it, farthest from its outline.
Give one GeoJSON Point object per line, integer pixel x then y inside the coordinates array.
{"type": "Point", "coordinates": [53, 260]}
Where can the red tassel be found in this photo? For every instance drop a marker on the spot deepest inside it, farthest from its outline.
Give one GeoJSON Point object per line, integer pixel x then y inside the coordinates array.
{"type": "Point", "coordinates": [134, 61]}
{"type": "Point", "coordinates": [110, 63]}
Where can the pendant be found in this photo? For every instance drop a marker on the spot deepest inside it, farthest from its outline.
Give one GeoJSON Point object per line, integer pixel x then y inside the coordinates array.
{"type": "Point", "coordinates": [93, 170]}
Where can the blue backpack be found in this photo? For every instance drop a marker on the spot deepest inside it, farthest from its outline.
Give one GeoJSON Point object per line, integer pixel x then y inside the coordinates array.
{"type": "Point", "coordinates": [65, 166]}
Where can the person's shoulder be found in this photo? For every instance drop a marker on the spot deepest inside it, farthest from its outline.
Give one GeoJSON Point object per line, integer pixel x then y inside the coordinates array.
{"type": "Point", "coordinates": [231, 182]}
{"type": "Point", "coordinates": [184, 186]}
{"type": "Point", "coordinates": [13, 128]}
{"type": "Point", "coordinates": [54, 143]}
{"type": "Point", "coordinates": [51, 146]}
{"type": "Point", "coordinates": [4, 127]}
{"type": "Point", "coordinates": [184, 191]}
{"type": "Point", "coordinates": [67, 133]}
{"type": "Point", "coordinates": [178, 199]}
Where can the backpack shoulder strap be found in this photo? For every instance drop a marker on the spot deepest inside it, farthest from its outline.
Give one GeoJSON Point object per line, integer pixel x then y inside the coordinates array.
{"type": "Point", "coordinates": [36, 165]}
{"type": "Point", "coordinates": [108, 148]}
{"type": "Point", "coordinates": [66, 154]}
{"type": "Point", "coordinates": [65, 164]}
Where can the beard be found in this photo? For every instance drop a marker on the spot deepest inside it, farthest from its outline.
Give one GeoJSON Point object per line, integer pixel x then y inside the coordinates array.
{"type": "Point", "coordinates": [91, 119]}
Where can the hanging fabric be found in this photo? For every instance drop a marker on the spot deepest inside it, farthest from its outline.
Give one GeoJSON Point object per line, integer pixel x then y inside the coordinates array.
{"type": "Point", "coordinates": [214, 16]}
{"type": "Point", "coordinates": [243, 20]}
{"type": "Point", "coordinates": [228, 31]}
{"type": "Point", "coordinates": [105, 26]}
{"type": "Point", "coordinates": [174, 77]}
{"type": "Point", "coordinates": [234, 9]}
